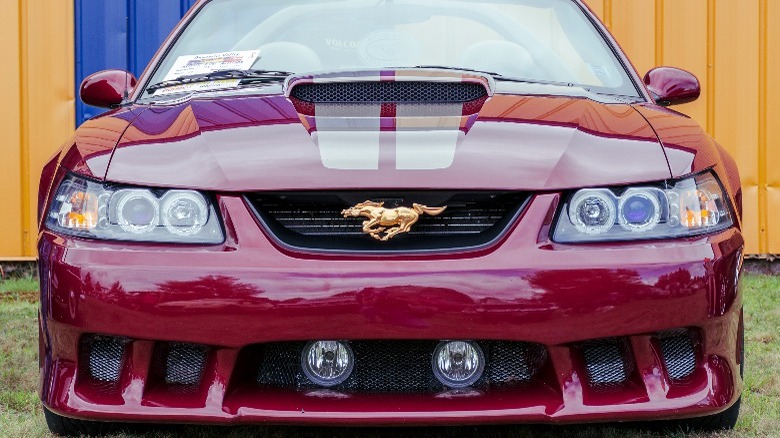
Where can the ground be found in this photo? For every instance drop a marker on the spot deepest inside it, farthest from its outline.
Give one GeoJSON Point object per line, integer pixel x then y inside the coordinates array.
{"type": "Point", "coordinates": [20, 411]}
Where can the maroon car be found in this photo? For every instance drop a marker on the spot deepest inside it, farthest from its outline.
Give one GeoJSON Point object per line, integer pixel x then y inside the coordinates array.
{"type": "Point", "coordinates": [399, 212]}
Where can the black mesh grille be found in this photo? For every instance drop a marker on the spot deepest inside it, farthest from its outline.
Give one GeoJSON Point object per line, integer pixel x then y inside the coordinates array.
{"type": "Point", "coordinates": [605, 362]}
{"type": "Point", "coordinates": [281, 365]}
{"type": "Point", "coordinates": [513, 361]}
{"type": "Point", "coordinates": [395, 92]}
{"type": "Point", "coordinates": [399, 366]}
{"type": "Point", "coordinates": [679, 356]}
{"type": "Point", "coordinates": [392, 367]}
{"type": "Point", "coordinates": [314, 220]}
{"type": "Point", "coordinates": [184, 364]}
{"type": "Point", "coordinates": [105, 358]}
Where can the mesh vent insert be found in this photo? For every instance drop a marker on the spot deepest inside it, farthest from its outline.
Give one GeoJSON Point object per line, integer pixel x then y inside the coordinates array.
{"type": "Point", "coordinates": [185, 364]}
{"type": "Point", "coordinates": [605, 362]}
{"type": "Point", "coordinates": [106, 356]}
{"type": "Point", "coordinates": [679, 356]}
{"type": "Point", "coordinates": [390, 92]}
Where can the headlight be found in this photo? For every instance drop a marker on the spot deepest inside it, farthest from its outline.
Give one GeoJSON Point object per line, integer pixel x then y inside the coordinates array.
{"type": "Point", "coordinates": [688, 207]}
{"type": "Point", "coordinates": [89, 209]}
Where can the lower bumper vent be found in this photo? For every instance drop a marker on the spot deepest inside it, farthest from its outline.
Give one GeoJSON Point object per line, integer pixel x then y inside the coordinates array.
{"type": "Point", "coordinates": [399, 366]}
{"type": "Point", "coordinates": [184, 364]}
{"type": "Point", "coordinates": [105, 357]}
{"type": "Point", "coordinates": [679, 356]}
{"type": "Point", "coordinates": [606, 362]}
{"type": "Point", "coordinates": [513, 362]}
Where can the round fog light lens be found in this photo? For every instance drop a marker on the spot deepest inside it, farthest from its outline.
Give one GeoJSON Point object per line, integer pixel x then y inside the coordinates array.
{"type": "Point", "coordinates": [327, 363]}
{"type": "Point", "coordinates": [458, 364]}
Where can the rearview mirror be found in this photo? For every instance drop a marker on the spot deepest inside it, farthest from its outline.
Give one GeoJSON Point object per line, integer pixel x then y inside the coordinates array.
{"type": "Point", "coordinates": [672, 86]}
{"type": "Point", "coordinates": [107, 88]}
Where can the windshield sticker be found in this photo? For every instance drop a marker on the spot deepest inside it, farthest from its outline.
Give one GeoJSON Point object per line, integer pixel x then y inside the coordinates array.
{"type": "Point", "coordinates": [388, 47]}
{"type": "Point", "coordinates": [209, 63]}
{"type": "Point", "coordinates": [198, 86]}
{"type": "Point", "coordinates": [600, 71]}
{"type": "Point", "coordinates": [341, 45]}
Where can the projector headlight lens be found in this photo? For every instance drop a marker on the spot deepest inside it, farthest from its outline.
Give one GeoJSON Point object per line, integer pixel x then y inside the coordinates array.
{"type": "Point", "coordinates": [137, 211]}
{"type": "Point", "coordinates": [593, 211]}
{"type": "Point", "coordinates": [184, 213]}
{"type": "Point", "coordinates": [640, 209]}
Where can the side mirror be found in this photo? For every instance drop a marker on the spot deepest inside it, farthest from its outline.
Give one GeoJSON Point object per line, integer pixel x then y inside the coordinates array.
{"type": "Point", "coordinates": [107, 88]}
{"type": "Point", "coordinates": [672, 86]}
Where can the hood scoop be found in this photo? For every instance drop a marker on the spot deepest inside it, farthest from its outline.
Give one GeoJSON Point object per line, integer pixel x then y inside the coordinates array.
{"type": "Point", "coordinates": [417, 92]}
{"type": "Point", "coordinates": [414, 117]}
{"type": "Point", "coordinates": [390, 92]}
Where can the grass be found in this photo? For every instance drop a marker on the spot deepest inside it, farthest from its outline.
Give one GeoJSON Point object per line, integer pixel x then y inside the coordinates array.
{"type": "Point", "coordinates": [21, 416]}
{"type": "Point", "coordinates": [20, 413]}
{"type": "Point", "coordinates": [18, 289]}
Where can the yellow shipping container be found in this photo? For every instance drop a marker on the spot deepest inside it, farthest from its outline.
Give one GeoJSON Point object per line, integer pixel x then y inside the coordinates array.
{"type": "Point", "coordinates": [729, 45]}
{"type": "Point", "coordinates": [37, 112]}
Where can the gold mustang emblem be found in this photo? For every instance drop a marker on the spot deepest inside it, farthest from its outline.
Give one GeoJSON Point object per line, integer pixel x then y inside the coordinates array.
{"type": "Point", "coordinates": [390, 221]}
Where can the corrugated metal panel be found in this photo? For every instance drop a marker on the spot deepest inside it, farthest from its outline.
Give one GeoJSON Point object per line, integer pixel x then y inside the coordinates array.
{"type": "Point", "coordinates": [11, 244]}
{"type": "Point", "coordinates": [122, 34]}
{"type": "Point", "coordinates": [770, 114]}
{"type": "Point", "coordinates": [728, 44]}
{"type": "Point", "coordinates": [37, 111]}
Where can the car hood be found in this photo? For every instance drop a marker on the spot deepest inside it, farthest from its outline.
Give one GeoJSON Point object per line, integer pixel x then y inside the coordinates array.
{"type": "Point", "coordinates": [512, 142]}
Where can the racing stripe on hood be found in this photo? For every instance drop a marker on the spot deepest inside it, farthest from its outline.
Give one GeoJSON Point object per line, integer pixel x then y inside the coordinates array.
{"type": "Point", "coordinates": [347, 142]}
{"type": "Point", "coordinates": [358, 122]}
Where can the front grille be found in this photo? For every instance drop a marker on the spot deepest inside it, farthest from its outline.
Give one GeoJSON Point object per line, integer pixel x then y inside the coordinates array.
{"type": "Point", "coordinates": [606, 362]}
{"type": "Point", "coordinates": [679, 356]}
{"type": "Point", "coordinates": [314, 220]}
{"type": "Point", "coordinates": [389, 92]}
{"type": "Point", "coordinates": [399, 366]}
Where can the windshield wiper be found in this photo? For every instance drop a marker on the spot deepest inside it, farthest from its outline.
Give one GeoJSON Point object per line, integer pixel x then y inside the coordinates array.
{"type": "Point", "coordinates": [538, 81]}
{"type": "Point", "coordinates": [449, 67]}
{"type": "Point", "coordinates": [498, 76]}
{"type": "Point", "coordinates": [246, 77]}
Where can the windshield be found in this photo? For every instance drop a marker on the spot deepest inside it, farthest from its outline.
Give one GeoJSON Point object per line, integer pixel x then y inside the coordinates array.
{"type": "Point", "coordinates": [534, 40]}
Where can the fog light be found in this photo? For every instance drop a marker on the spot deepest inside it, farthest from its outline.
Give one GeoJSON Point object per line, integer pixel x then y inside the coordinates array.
{"type": "Point", "coordinates": [458, 364]}
{"type": "Point", "coordinates": [327, 363]}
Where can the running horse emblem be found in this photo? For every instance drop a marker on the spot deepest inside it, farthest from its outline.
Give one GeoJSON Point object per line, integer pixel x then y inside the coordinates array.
{"type": "Point", "coordinates": [390, 221]}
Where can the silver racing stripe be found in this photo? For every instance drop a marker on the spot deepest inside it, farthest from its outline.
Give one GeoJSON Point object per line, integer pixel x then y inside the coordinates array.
{"type": "Point", "coordinates": [427, 142]}
{"type": "Point", "coordinates": [347, 142]}
{"type": "Point", "coordinates": [350, 137]}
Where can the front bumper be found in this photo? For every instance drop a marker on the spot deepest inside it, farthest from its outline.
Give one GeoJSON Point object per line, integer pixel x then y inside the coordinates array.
{"type": "Point", "coordinates": [249, 292]}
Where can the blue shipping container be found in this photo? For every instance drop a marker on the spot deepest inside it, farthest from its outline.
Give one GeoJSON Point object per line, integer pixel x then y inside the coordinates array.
{"type": "Point", "coordinates": [122, 34]}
